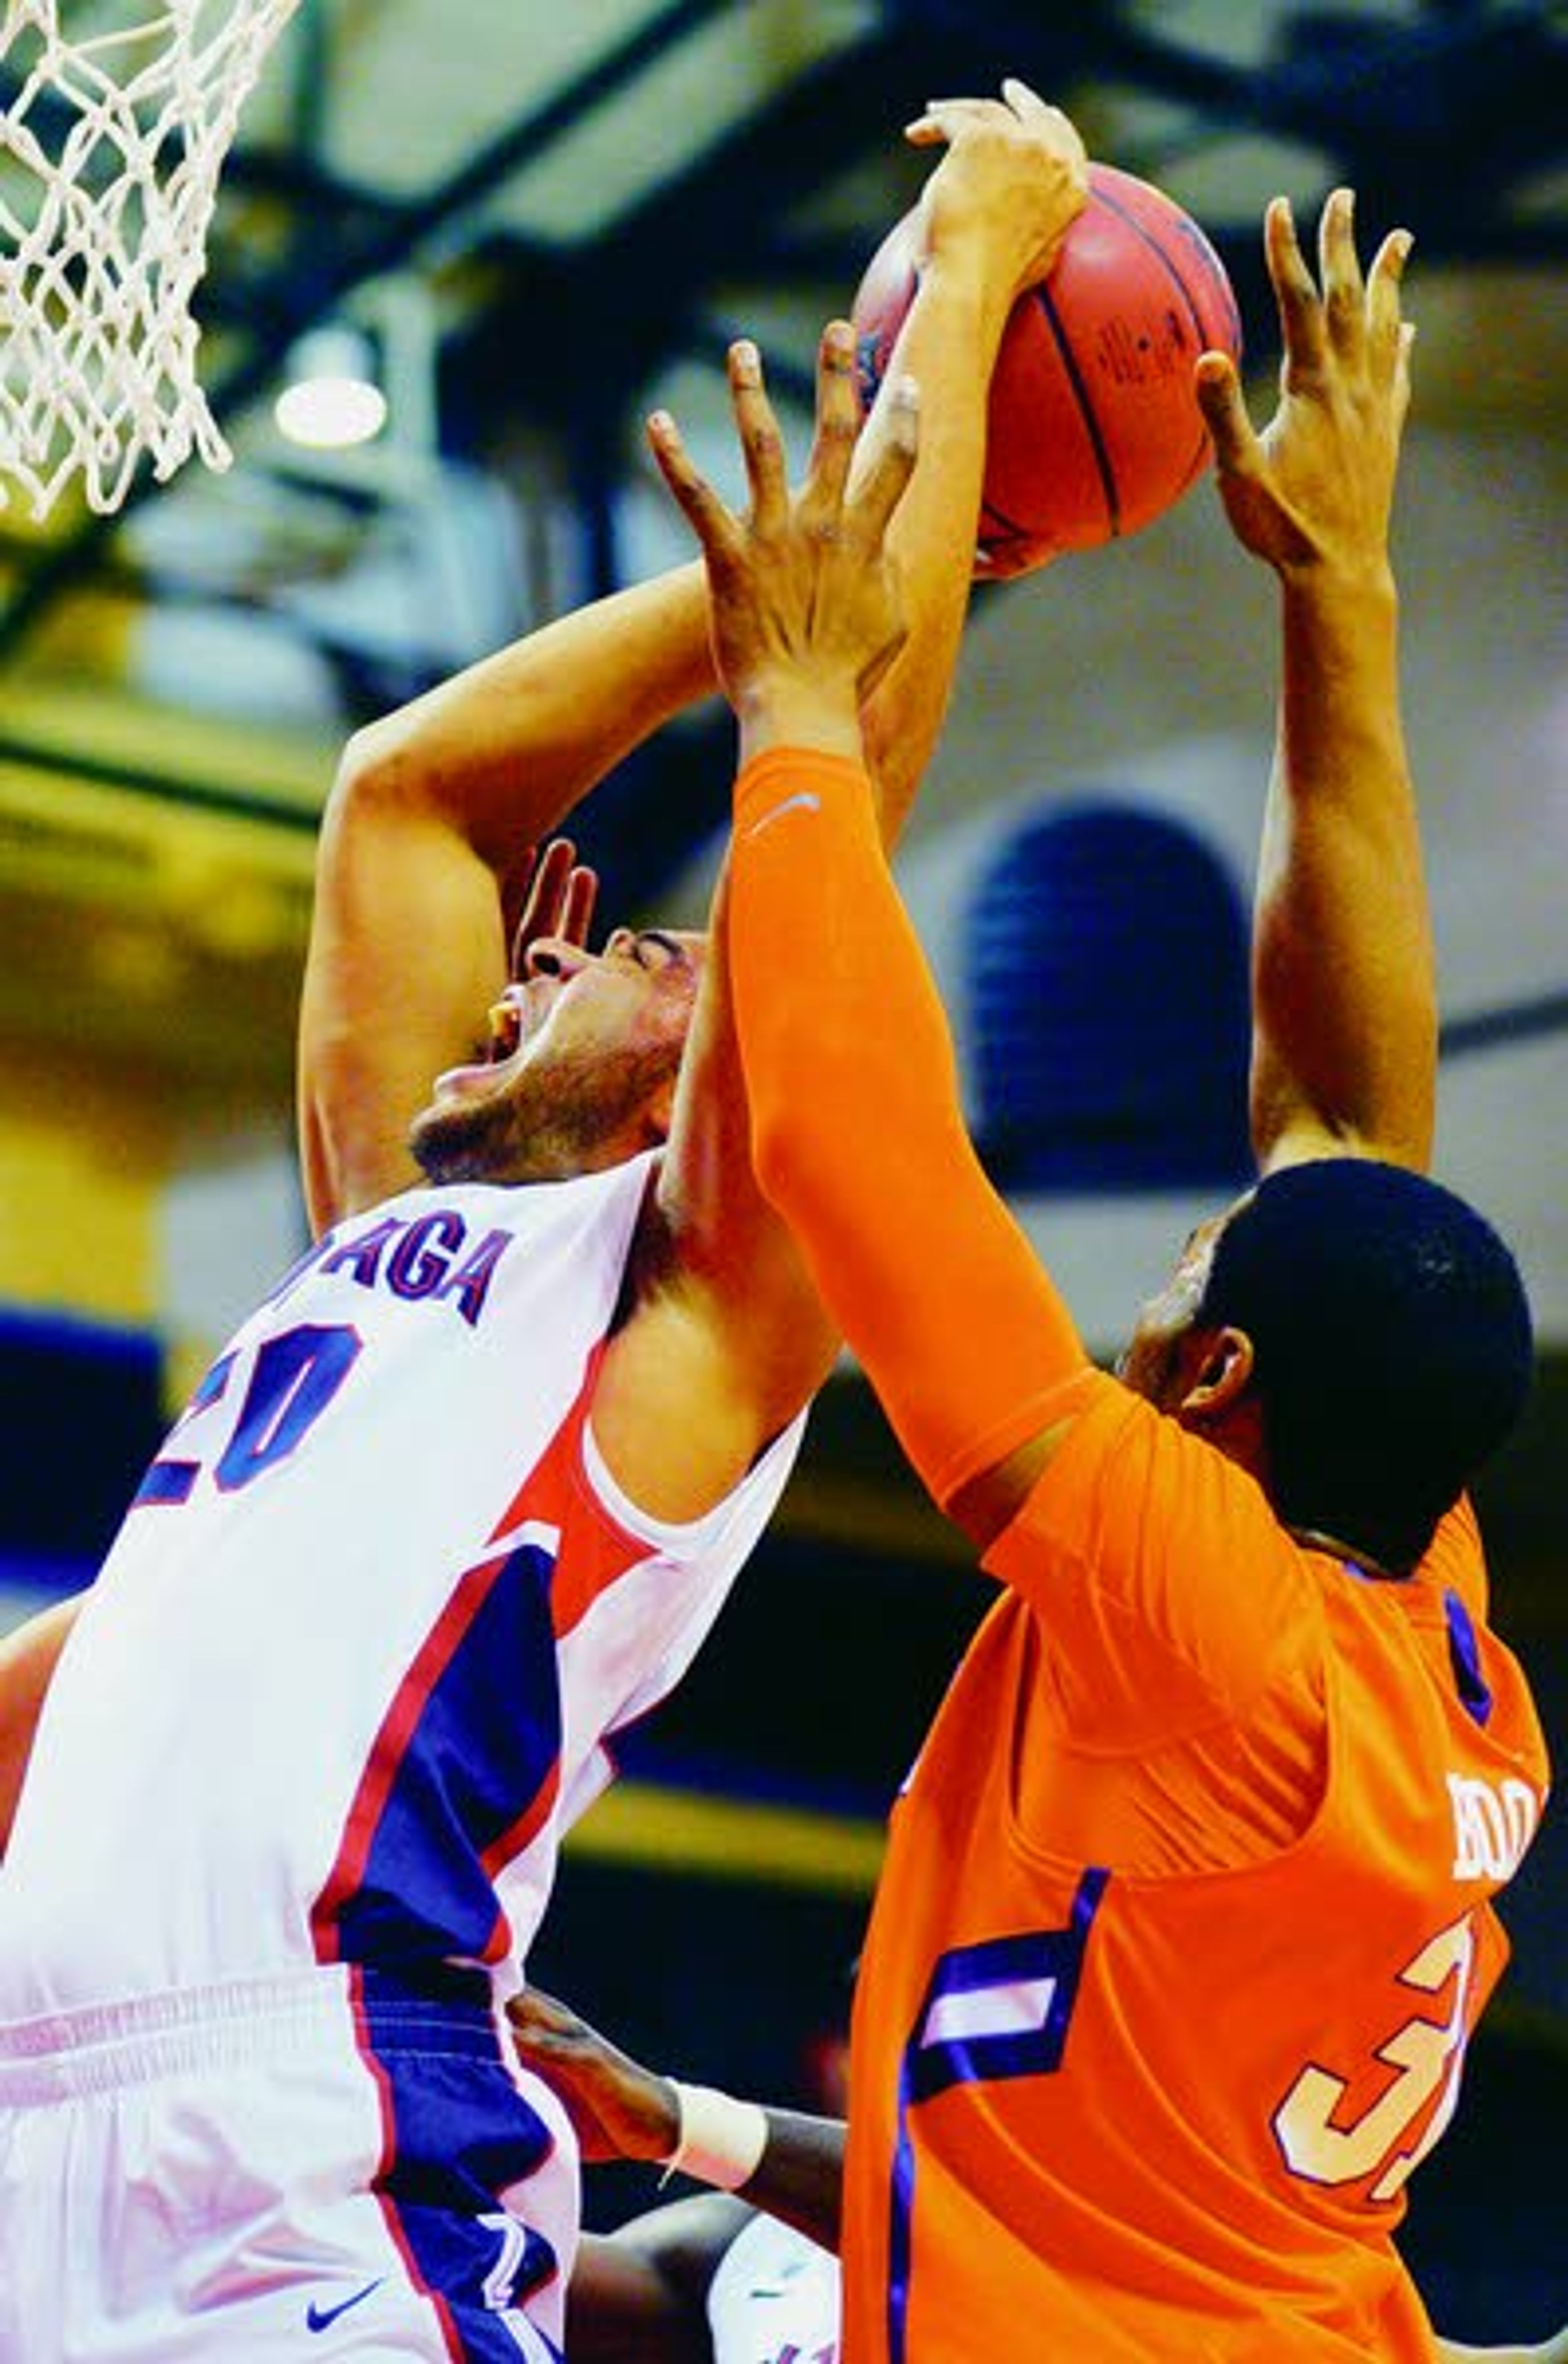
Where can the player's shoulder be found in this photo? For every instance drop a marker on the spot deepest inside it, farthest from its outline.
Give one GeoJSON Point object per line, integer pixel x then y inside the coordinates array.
{"type": "Point", "coordinates": [1455, 1559]}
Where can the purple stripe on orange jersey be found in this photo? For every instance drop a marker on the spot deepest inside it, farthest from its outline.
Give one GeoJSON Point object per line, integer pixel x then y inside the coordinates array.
{"type": "Point", "coordinates": [1465, 1657]}
{"type": "Point", "coordinates": [992, 2012]}
{"type": "Point", "coordinates": [467, 1757]}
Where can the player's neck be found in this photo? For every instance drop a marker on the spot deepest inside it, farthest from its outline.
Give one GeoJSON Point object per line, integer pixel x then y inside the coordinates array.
{"type": "Point", "coordinates": [1315, 1539]}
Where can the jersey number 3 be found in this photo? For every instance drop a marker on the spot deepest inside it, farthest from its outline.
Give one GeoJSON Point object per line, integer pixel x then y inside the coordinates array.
{"type": "Point", "coordinates": [1314, 2136]}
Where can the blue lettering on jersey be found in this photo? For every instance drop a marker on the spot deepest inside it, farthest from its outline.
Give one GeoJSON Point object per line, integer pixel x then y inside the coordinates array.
{"type": "Point", "coordinates": [471, 1282]}
{"type": "Point", "coordinates": [361, 1254]}
{"type": "Point", "coordinates": [420, 1256]}
{"type": "Point", "coordinates": [414, 1266]}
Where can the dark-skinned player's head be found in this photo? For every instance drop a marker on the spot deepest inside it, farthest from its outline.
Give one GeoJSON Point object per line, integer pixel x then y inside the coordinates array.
{"type": "Point", "coordinates": [1392, 1345]}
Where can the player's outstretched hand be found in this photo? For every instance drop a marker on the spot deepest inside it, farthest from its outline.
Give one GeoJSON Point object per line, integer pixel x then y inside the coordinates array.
{"type": "Point", "coordinates": [1013, 181]}
{"type": "Point", "coordinates": [1315, 487]}
{"type": "Point", "coordinates": [806, 600]}
{"type": "Point", "coordinates": [618, 2109]}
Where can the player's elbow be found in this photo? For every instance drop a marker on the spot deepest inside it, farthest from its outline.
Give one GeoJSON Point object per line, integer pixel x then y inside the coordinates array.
{"type": "Point", "coordinates": [372, 768]}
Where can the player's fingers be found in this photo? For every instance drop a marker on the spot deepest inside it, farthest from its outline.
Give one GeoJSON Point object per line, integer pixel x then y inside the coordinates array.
{"type": "Point", "coordinates": [1040, 114]}
{"type": "Point", "coordinates": [887, 478]}
{"type": "Point", "coordinates": [1402, 371]}
{"type": "Point", "coordinates": [535, 2013]}
{"type": "Point", "coordinates": [1022, 97]}
{"type": "Point", "coordinates": [761, 441]}
{"type": "Point", "coordinates": [838, 425]}
{"type": "Point", "coordinates": [553, 867]}
{"type": "Point", "coordinates": [972, 110]}
{"type": "Point", "coordinates": [1296, 294]}
{"type": "Point", "coordinates": [693, 496]}
{"type": "Point", "coordinates": [540, 916]}
{"type": "Point", "coordinates": [1384, 324]}
{"type": "Point", "coordinates": [948, 118]}
{"type": "Point", "coordinates": [1340, 272]}
{"type": "Point", "coordinates": [1224, 410]}
{"type": "Point", "coordinates": [577, 909]}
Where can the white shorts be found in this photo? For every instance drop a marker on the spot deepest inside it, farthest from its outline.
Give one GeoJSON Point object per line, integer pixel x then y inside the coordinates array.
{"type": "Point", "coordinates": [322, 2165]}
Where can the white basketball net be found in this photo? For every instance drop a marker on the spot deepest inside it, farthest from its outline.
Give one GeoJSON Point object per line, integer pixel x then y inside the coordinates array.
{"type": "Point", "coordinates": [111, 144]}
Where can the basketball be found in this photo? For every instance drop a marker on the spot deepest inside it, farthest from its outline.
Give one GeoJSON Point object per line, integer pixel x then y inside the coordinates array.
{"type": "Point", "coordinates": [1093, 427]}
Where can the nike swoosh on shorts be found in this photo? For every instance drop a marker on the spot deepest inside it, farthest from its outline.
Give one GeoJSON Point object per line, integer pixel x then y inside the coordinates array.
{"type": "Point", "coordinates": [322, 2318]}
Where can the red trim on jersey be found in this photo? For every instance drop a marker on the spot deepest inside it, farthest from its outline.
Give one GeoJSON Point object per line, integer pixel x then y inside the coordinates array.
{"type": "Point", "coordinates": [390, 1746]}
{"type": "Point", "coordinates": [596, 1549]}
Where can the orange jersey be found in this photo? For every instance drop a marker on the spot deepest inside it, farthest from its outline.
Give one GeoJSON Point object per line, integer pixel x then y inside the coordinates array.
{"type": "Point", "coordinates": [1185, 1921]}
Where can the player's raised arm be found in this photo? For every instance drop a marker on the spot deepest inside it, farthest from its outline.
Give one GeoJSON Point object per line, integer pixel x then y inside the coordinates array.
{"type": "Point", "coordinates": [431, 812]}
{"type": "Point", "coordinates": [433, 806]}
{"type": "Point", "coordinates": [727, 1311]}
{"type": "Point", "coordinates": [858, 1132]}
{"type": "Point", "coordinates": [1344, 997]}
{"type": "Point", "coordinates": [991, 218]}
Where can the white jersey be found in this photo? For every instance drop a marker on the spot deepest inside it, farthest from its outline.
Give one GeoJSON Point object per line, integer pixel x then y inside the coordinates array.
{"type": "Point", "coordinates": [351, 1667]}
{"type": "Point", "coordinates": [775, 2299]}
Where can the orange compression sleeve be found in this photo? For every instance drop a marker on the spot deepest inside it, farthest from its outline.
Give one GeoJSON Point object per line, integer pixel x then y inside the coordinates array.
{"type": "Point", "coordinates": [858, 1129]}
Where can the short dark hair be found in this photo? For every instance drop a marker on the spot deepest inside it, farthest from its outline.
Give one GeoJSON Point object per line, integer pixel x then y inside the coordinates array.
{"type": "Point", "coordinates": [1392, 1341]}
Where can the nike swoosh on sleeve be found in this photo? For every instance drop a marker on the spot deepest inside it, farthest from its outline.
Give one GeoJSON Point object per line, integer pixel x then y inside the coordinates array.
{"type": "Point", "coordinates": [802, 800]}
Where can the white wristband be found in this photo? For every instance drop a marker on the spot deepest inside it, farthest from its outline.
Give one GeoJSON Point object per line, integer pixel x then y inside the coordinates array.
{"type": "Point", "coordinates": [721, 2140]}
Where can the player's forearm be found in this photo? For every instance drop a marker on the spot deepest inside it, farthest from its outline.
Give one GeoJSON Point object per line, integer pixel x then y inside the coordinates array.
{"type": "Point", "coordinates": [786, 2162]}
{"type": "Point", "coordinates": [800, 2176]}
{"type": "Point", "coordinates": [858, 1129]}
{"type": "Point", "coordinates": [504, 749]}
{"type": "Point", "coordinates": [1344, 989]}
{"type": "Point", "coordinates": [949, 346]}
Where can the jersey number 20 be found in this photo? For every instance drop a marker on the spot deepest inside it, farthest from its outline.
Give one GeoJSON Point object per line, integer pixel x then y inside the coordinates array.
{"type": "Point", "coordinates": [292, 1379]}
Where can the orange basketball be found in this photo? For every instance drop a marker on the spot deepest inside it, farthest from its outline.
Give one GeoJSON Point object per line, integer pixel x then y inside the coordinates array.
{"type": "Point", "coordinates": [1095, 429]}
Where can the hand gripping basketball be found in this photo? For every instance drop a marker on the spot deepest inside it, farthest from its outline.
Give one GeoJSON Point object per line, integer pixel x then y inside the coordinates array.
{"type": "Point", "coordinates": [1093, 426]}
{"type": "Point", "coordinates": [806, 604]}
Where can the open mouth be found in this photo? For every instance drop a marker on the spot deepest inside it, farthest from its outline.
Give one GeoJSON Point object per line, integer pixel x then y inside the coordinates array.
{"type": "Point", "coordinates": [505, 1024]}
{"type": "Point", "coordinates": [504, 1027]}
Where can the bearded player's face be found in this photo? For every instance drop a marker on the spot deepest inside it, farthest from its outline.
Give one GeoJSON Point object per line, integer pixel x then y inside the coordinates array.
{"type": "Point", "coordinates": [585, 1050]}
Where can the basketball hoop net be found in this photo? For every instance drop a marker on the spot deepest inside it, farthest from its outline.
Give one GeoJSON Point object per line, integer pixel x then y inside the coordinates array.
{"type": "Point", "coordinates": [111, 145]}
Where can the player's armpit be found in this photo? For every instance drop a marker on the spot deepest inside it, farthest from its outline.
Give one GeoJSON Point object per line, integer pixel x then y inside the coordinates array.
{"type": "Point", "coordinates": [859, 1138]}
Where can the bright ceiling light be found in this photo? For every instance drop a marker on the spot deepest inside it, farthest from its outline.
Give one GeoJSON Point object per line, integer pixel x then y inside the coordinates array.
{"type": "Point", "coordinates": [332, 400]}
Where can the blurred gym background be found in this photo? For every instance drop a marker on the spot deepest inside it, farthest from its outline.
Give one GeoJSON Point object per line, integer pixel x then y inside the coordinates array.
{"type": "Point", "coordinates": [531, 225]}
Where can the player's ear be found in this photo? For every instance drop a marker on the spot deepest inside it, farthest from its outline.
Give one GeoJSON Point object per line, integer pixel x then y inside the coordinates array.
{"type": "Point", "coordinates": [1223, 1376]}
